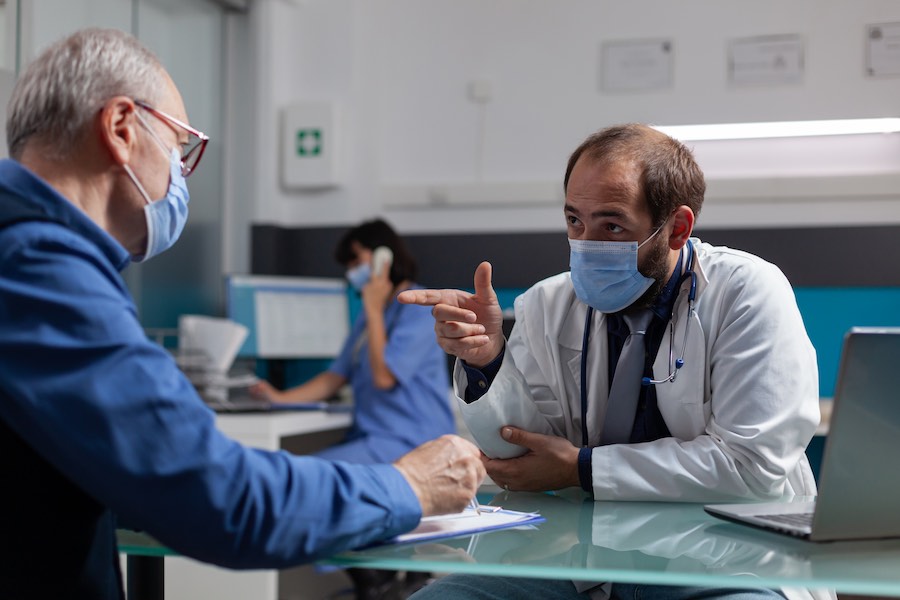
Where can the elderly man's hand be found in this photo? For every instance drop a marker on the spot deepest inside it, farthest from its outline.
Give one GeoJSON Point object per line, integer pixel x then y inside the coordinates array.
{"type": "Point", "coordinates": [444, 473]}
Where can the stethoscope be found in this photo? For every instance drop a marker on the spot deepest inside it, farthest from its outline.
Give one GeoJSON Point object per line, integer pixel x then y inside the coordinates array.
{"type": "Point", "coordinates": [674, 363]}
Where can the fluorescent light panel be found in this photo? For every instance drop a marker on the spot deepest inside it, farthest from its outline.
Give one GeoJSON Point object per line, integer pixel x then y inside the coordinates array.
{"type": "Point", "coordinates": [778, 129]}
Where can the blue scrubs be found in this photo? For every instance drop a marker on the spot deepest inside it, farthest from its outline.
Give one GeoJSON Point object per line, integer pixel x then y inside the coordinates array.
{"type": "Point", "coordinates": [107, 416]}
{"type": "Point", "coordinates": [389, 423]}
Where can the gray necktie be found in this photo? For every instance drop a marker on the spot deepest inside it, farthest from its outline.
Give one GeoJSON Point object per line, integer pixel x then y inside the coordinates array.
{"type": "Point", "coordinates": [621, 406]}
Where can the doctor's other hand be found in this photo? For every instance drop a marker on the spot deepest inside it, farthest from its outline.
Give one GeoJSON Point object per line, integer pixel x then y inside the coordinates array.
{"type": "Point", "coordinates": [469, 326]}
{"type": "Point", "coordinates": [444, 474]}
{"type": "Point", "coordinates": [551, 463]}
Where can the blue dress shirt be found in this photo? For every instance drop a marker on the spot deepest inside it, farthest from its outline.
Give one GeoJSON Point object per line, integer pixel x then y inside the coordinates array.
{"type": "Point", "coordinates": [648, 421]}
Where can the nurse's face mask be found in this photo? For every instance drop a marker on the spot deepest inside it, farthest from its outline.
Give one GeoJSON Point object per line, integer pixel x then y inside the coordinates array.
{"type": "Point", "coordinates": [605, 274]}
{"type": "Point", "coordinates": [359, 276]}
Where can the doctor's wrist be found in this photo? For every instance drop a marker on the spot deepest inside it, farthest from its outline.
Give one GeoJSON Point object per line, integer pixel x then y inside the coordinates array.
{"type": "Point", "coordinates": [585, 476]}
{"type": "Point", "coordinates": [479, 380]}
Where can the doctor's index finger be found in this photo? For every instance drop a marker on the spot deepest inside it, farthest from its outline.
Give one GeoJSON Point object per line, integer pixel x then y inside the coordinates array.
{"type": "Point", "coordinates": [432, 297]}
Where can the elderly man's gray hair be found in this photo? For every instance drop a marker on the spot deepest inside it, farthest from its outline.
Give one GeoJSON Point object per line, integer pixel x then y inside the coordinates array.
{"type": "Point", "coordinates": [62, 90]}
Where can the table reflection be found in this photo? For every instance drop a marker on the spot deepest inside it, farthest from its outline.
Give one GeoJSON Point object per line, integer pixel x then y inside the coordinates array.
{"type": "Point", "coordinates": [661, 542]}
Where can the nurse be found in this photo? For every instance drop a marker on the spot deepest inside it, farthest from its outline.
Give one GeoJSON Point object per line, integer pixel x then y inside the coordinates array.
{"type": "Point", "coordinates": [391, 359]}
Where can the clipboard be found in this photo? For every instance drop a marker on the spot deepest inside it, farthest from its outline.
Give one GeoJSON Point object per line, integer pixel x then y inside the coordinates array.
{"type": "Point", "coordinates": [467, 522]}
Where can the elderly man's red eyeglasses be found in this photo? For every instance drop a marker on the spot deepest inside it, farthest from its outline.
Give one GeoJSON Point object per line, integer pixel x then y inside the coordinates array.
{"type": "Point", "coordinates": [192, 151]}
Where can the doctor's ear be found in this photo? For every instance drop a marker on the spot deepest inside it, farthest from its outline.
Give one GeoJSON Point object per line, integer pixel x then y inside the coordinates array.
{"type": "Point", "coordinates": [117, 128]}
{"type": "Point", "coordinates": [682, 226]}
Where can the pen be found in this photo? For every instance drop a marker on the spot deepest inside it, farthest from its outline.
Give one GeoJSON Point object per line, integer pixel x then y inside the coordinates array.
{"type": "Point", "coordinates": [473, 504]}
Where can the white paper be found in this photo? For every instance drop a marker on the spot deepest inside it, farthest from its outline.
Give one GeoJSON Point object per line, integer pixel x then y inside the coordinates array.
{"type": "Point", "coordinates": [883, 56]}
{"type": "Point", "coordinates": [766, 60]}
{"type": "Point", "coordinates": [636, 65]}
{"type": "Point", "coordinates": [211, 341]}
{"type": "Point", "coordinates": [466, 522]}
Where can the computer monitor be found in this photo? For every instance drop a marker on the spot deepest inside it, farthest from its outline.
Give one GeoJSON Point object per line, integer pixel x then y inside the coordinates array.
{"type": "Point", "coordinates": [289, 317]}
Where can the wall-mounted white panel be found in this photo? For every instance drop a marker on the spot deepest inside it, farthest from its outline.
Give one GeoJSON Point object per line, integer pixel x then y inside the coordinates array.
{"type": "Point", "coordinates": [309, 145]}
{"type": "Point", "coordinates": [770, 201]}
{"type": "Point", "coordinates": [471, 195]}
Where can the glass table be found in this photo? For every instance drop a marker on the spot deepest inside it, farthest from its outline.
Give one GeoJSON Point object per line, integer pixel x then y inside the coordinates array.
{"type": "Point", "coordinates": [144, 564]}
{"type": "Point", "coordinates": [651, 542]}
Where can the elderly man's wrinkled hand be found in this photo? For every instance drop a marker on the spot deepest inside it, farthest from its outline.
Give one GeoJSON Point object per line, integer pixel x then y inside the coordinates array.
{"type": "Point", "coordinates": [444, 474]}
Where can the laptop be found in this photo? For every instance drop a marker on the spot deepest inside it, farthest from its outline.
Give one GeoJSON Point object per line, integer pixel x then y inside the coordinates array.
{"type": "Point", "coordinates": [253, 405]}
{"type": "Point", "coordinates": [237, 398]}
{"type": "Point", "coordinates": [245, 403]}
{"type": "Point", "coordinates": [859, 483]}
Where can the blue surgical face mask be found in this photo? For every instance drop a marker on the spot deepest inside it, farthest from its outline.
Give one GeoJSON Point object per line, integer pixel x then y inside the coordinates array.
{"type": "Point", "coordinates": [605, 274]}
{"type": "Point", "coordinates": [167, 216]}
{"type": "Point", "coordinates": [359, 276]}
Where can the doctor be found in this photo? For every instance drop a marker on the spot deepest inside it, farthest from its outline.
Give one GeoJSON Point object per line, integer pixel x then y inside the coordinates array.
{"type": "Point", "coordinates": [724, 398]}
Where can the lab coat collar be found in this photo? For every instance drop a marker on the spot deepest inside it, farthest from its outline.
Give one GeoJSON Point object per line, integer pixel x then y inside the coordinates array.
{"type": "Point", "coordinates": [702, 280]}
{"type": "Point", "coordinates": [571, 334]}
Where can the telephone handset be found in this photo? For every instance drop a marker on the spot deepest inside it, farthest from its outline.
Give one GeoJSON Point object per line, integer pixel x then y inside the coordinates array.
{"type": "Point", "coordinates": [382, 258]}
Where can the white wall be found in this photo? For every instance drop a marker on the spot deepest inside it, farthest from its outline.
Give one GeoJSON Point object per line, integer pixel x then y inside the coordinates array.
{"type": "Point", "coordinates": [399, 71]}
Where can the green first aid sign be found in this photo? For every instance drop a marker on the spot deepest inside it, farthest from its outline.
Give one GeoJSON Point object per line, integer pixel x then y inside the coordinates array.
{"type": "Point", "coordinates": [309, 142]}
{"type": "Point", "coordinates": [309, 146]}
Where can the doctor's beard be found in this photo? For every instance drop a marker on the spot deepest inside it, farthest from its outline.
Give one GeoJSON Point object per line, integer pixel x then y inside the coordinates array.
{"type": "Point", "coordinates": [655, 266]}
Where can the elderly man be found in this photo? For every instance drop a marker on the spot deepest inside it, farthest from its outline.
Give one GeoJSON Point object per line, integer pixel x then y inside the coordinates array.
{"type": "Point", "coordinates": [659, 368]}
{"type": "Point", "coordinates": [95, 421]}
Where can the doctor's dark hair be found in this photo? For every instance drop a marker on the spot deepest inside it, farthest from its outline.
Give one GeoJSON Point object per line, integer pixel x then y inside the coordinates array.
{"type": "Point", "coordinates": [669, 175]}
{"type": "Point", "coordinates": [372, 234]}
{"type": "Point", "coordinates": [62, 90]}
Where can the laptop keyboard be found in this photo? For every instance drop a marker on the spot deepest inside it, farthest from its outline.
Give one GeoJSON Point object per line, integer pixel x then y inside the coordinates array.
{"type": "Point", "coordinates": [794, 519]}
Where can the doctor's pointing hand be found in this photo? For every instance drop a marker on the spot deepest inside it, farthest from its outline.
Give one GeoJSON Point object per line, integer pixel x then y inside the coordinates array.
{"type": "Point", "coordinates": [468, 326]}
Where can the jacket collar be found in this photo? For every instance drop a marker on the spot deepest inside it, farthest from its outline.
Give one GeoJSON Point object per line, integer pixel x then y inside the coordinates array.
{"type": "Point", "coordinates": [572, 334]}
{"type": "Point", "coordinates": [27, 197]}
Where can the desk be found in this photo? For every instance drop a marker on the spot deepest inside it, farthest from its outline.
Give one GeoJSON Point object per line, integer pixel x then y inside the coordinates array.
{"type": "Point", "coordinates": [270, 430]}
{"type": "Point", "coordinates": [144, 565]}
{"type": "Point", "coordinates": [187, 579]}
{"type": "Point", "coordinates": [651, 542]}
{"type": "Point", "coordinates": [663, 543]}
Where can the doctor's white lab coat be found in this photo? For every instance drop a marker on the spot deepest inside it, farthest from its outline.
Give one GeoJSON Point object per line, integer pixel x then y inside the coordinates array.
{"type": "Point", "coordinates": [740, 412]}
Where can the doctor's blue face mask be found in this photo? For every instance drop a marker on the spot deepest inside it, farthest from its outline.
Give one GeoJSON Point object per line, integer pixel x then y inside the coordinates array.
{"type": "Point", "coordinates": [605, 274]}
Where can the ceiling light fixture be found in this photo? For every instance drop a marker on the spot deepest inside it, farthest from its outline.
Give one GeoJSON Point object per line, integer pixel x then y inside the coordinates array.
{"type": "Point", "coordinates": [780, 129]}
